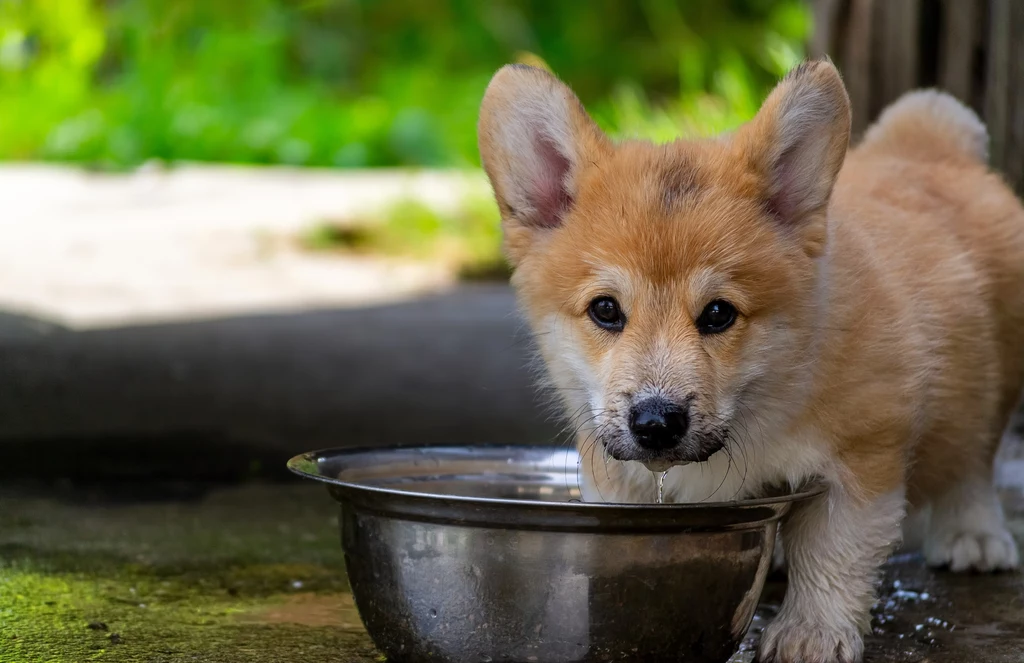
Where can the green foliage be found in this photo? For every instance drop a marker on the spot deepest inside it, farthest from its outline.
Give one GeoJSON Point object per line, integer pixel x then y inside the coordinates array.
{"type": "Point", "coordinates": [355, 83]}
{"type": "Point", "coordinates": [467, 240]}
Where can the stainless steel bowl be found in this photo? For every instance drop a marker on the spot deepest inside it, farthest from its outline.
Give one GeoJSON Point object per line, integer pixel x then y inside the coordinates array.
{"type": "Point", "coordinates": [486, 554]}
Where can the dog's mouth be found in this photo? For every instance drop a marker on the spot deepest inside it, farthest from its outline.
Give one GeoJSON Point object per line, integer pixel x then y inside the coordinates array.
{"type": "Point", "coordinates": [659, 466]}
{"type": "Point", "coordinates": [698, 447]}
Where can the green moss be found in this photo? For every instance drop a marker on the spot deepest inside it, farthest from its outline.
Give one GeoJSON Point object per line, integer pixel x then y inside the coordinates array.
{"type": "Point", "coordinates": [217, 581]}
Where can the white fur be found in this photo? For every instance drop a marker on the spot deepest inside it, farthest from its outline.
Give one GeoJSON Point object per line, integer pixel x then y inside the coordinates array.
{"type": "Point", "coordinates": [834, 547]}
{"type": "Point", "coordinates": [778, 553]}
{"type": "Point", "coordinates": [967, 532]}
{"type": "Point", "coordinates": [959, 124]}
{"type": "Point", "coordinates": [760, 457]}
{"type": "Point", "coordinates": [763, 447]}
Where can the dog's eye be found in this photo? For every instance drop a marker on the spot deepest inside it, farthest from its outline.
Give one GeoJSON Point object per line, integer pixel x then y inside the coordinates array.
{"type": "Point", "coordinates": [606, 314]}
{"type": "Point", "coordinates": [716, 317]}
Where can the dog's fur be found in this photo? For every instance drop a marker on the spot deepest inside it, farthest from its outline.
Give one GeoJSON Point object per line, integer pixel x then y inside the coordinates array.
{"type": "Point", "coordinates": [878, 346]}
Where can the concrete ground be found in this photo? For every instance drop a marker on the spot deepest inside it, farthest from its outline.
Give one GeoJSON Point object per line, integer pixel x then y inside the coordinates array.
{"type": "Point", "coordinates": [87, 250]}
{"type": "Point", "coordinates": [254, 574]}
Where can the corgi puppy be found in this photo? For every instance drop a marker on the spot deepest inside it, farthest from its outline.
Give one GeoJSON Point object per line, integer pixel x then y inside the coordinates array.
{"type": "Point", "coordinates": [772, 306]}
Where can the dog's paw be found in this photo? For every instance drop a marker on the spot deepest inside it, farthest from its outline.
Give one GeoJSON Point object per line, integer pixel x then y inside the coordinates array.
{"type": "Point", "coordinates": [974, 551]}
{"type": "Point", "coordinates": [789, 640]}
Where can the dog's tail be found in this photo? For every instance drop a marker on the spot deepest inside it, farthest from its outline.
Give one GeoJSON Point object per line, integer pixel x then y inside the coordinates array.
{"type": "Point", "coordinates": [932, 125]}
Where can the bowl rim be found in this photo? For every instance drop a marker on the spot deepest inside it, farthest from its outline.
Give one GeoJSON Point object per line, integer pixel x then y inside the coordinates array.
{"type": "Point", "coordinates": [305, 465]}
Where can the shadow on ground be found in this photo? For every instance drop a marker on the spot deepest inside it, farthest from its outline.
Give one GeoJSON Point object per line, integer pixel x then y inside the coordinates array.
{"type": "Point", "coordinates": [233, 398]}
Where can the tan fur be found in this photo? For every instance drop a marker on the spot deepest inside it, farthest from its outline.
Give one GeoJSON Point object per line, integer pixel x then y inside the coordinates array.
{"type": "Point", "coordinates": [880, 342]}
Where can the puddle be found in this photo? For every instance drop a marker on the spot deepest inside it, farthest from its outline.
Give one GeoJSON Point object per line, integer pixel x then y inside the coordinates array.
{"type": "Point", "coordinates": [763, 616]}
{"type": "Point", "coordinates": [941, 617]}
{"type": "Point", "coordinates": [926, 616]}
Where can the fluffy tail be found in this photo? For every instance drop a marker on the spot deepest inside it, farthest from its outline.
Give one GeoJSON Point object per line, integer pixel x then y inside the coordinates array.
{"type": "Point", "coordinates": [929, 124]}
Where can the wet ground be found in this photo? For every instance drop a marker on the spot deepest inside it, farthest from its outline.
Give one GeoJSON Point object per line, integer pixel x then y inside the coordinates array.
{"type": "Point", "coordinates": [254, 574]}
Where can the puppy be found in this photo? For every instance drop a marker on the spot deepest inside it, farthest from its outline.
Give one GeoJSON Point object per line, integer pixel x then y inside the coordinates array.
{"type": "Point", "coordinates": [771, 306]}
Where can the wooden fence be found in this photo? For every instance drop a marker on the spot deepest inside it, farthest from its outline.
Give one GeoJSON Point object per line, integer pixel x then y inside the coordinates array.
{"type": "Point", "coordinates": [973, 49]}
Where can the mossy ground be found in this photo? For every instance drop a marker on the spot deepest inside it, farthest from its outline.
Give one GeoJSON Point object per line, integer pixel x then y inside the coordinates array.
{"type": "Point", "coordinates": [252, 574]}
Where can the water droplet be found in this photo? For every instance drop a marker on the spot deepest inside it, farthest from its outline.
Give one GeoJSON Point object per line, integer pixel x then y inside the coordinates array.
{"type": "Point", "coordinates": [661, 487]}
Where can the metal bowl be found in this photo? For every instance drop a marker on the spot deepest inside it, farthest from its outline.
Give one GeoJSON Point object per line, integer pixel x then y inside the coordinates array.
{"type": "Point", "coordinates": [486, 554]}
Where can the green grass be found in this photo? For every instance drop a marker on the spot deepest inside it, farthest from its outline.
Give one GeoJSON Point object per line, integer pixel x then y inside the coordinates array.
{"type": "Point", "coordinates": [467, 241]}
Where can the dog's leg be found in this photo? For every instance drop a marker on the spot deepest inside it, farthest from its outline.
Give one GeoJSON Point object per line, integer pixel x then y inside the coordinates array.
{"type": "Point", "coordinates": [834, 548]}
{"type": "Point", "coordinates": [915, 528]}
{"type": "Point", "coordinates": [779, 554]}
{"type": "Point", "coordinates": [967, 531]}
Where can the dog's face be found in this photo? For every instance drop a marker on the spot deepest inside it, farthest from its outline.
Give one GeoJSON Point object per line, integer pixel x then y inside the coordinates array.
{"type": "Point", "coordinates": [673, 289]}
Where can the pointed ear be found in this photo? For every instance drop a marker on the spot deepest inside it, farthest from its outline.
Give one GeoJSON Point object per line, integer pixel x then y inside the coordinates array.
{"type": "Point", "coordinates": [796, 145]}
{"type": "Point", "coordinates": [535, 140]}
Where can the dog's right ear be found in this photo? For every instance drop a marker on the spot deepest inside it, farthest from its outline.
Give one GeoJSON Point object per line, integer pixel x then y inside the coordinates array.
{"type": "Point", "coordinates": [535, 140]}
{"type": "Point", "coordinates": [796, 145]}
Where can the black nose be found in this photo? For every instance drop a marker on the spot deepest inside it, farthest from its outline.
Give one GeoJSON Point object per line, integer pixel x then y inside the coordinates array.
{"type": "Point", "coordinates": [657, 424]}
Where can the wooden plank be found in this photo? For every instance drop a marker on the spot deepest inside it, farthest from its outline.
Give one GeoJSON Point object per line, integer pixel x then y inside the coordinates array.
{"type": "Point", "coordinates": [957, 45]}
{"type": "Point", "coordinates": [1013, 156]}
{"type": "Point", "coordinates": [827, 21]}
{"type": "Point", "coordinates": [898, 23]}
{"type": "Point", "coordinates": [997, 79]}
{"type": "Point", "coordinates": [856, 61]}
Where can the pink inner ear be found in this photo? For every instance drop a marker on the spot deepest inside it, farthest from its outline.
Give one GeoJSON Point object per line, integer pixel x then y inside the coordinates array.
{"type": "Point", "coordinates": [785, 199]}
{"type": "Point", "coordinates": [549, 196]}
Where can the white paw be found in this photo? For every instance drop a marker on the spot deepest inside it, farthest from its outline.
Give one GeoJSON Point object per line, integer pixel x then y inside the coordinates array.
{"type": "Point", "coordinates": [974, 551]}
{"type": "Point", "coordinates": [790, 640]}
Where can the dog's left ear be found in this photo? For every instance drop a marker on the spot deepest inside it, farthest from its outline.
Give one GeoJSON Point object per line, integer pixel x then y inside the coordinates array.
{"type": "Point", "coordinates": [535, 142]}
{"type": "Point", "coordinates": [796, 145]}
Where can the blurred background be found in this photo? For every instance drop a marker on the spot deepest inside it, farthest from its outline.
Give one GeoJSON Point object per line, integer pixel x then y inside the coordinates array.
{"type": "Point", "coordinates": [232, 231]}
{"type": "Point", "coordinates": [238, 230]}
{"type": "Point", "coordinates": [235, 231]}
{"type": "Point", "coordinates": [357, 83]}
